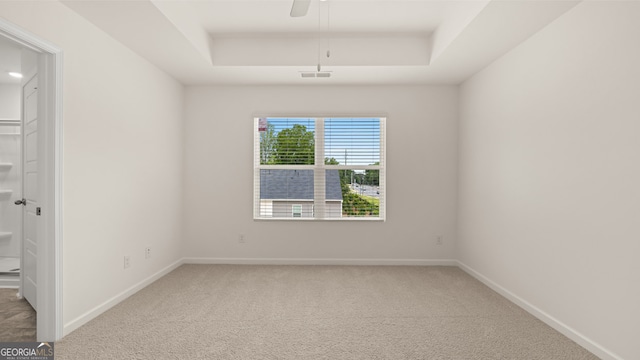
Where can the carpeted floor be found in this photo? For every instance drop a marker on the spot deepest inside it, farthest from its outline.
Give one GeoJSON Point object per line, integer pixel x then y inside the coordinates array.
{"type": "Point", "coordinates": [317, 312]}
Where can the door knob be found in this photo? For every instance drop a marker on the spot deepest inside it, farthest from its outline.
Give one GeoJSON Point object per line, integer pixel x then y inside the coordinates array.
{"type": "Point", "coordinates": [21, 202]}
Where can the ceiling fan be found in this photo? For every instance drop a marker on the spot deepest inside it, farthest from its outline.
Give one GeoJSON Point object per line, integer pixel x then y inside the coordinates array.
{"type": "Point", "coordinates": [300, 8]}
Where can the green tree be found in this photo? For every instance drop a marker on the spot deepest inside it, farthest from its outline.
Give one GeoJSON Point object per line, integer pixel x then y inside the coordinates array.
{"type": "Point", "coordinates": [372, 177]}
{"type": "Point", "coordinates": [354, 204]}
{"type": "Point", "coordinates": [331, 161]}
{"type": "Point", "coordinates": [294, 146]}
{"type": "Point", "coordinates": [267, 145]}
{"type": "Point", "coordinates": [345, 177]}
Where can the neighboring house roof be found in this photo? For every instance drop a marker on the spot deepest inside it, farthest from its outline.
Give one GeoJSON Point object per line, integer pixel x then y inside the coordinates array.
{"type": "Point", "coordinates": [296, 184]}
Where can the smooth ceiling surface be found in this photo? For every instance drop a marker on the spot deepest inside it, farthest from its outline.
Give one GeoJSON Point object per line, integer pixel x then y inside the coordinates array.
{"type": "Point", "coordinates": [10, 53]}
{"type": "Point", "coordinates": [369, 42]}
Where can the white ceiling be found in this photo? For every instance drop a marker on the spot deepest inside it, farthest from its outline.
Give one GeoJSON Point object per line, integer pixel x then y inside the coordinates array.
{"type": "Point", "coordinates": [370, 42]}
{"type": "Point", "coordinates": [9, 61]}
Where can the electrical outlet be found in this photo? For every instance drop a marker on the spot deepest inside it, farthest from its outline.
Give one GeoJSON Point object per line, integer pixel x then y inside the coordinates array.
{"type": "Point", "coordinates": [241, 238]}
{"type": "Point", "coordinates": [147, 253]}
{"type": "Point", "coordinates": [127, 261]}
{"type": "Point", "coordinates": [439, 240]}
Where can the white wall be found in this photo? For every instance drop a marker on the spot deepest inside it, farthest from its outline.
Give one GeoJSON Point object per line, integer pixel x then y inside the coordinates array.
{"type": "Point", "coordinates": [549, 195]}
{"type": "Point", "coordinates": [122, 159]}
{"type": "Point", "coordinates": [10, 101]}
{"type": "Point", "coordinates": [421, 175]}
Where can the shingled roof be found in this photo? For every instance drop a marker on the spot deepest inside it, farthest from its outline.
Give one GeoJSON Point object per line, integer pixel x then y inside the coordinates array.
{"type": "Point", "coordinates": [296, 184]}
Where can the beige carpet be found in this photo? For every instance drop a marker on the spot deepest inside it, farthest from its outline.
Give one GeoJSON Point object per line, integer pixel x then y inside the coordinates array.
{"type": "Point", "coordinates": [317, 312]}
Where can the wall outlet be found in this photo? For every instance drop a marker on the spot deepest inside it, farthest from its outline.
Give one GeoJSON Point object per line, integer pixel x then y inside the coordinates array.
{"type": "Point", "coordinates": [241, 238]}
{"type": "Point", "coordinates": [147, 253]}
{"type": "Point", "coordinates": [127, 261]}
{"type": "Point", "coordinates": [439, 240]}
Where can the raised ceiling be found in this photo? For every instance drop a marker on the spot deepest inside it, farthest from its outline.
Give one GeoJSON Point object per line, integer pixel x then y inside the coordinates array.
{"type": "Point", "coordinates": [370, 42]}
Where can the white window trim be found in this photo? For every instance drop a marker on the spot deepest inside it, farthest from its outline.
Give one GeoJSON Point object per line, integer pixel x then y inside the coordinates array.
{"type": "Point", "coordinates": [319, 206]}
{"type": "Point", "coordinates": [294, 212]}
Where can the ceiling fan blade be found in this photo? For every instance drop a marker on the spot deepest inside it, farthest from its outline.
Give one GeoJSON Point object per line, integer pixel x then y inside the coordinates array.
{"type": "Point", "coordinates": [300, 8]}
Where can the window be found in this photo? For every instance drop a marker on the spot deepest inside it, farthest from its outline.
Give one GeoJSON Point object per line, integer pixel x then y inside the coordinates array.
{"type": "Point", "coordinates": [296, 210]}
{"type": "Point", "coordinates": [319, 168]}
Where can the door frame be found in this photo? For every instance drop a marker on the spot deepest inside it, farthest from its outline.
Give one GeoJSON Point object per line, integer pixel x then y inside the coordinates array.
{"type": "Point", "coordinates": [49, 273]}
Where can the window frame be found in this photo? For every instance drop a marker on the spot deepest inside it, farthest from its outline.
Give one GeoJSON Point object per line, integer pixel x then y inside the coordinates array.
{"type": "Point", "coordinates": [294, 212]}
{"type": "Point", "coordinates": [320, 168]}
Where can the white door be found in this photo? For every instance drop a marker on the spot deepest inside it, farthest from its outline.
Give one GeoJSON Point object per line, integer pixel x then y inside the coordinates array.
{"type": "Point", "coordinates": [31, 209]}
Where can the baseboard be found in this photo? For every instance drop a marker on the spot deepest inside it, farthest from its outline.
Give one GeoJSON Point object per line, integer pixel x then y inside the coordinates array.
{"type": "Point", "coordinates": [566, 330]}
{"type": "Point", "coordinates": [305, 261]}
{"type": "Point", "coordinates": [93, 313]}
{"type": "Point", "coordinates": [10, 283]}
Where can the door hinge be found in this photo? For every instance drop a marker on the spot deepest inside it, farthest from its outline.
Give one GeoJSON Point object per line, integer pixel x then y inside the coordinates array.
{"type": "Point", "coordinates": [38, 211]}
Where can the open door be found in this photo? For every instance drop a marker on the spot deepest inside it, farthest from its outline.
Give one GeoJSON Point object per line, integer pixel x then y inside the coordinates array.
{"type": "Point", "coordinates": [30, 201]}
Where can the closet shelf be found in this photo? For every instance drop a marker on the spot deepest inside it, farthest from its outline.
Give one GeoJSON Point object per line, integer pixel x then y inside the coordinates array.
{"type": "Point", "coordinates": [5, 193]}
{"type": "Point", "coordinates": [5, 235]}
{"type": "Point", "coordinates": [5, 166]}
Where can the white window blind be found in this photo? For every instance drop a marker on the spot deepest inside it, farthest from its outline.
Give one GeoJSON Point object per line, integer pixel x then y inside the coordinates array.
{"type": "Point", "coordinates": [319, 168]}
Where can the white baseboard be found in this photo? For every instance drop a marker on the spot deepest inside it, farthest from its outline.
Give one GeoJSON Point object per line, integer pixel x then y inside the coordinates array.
{"type": "Point", "coordinates": [566, 330]}
{"type": "Point", "coordinates": [93, 313]}
{"type": "Point", "coordinates": [303, 261]}
{"type": "Point", "coordinates": [6, 283]}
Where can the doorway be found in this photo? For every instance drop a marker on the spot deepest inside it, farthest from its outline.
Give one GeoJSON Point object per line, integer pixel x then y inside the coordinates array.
{"type": "Point", "coordinates": [20, 64]}
{"type": "Point", "coordinates": [10, 169]}
{"type": "Point", "coordinates": [38, 214]}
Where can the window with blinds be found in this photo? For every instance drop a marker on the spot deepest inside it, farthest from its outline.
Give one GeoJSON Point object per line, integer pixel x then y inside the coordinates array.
{"type": "Point", "coordinates": [319, 168]}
